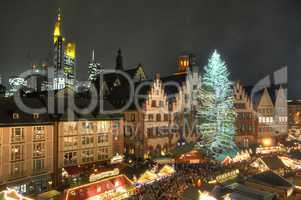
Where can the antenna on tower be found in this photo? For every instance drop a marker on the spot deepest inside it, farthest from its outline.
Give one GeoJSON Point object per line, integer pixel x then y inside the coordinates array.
{"type": "Point", "coordinates": [93, 55]}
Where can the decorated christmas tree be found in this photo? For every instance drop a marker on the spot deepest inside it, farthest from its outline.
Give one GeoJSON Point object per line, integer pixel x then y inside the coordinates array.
{"type": "Point", "coordinates": [216, 114]}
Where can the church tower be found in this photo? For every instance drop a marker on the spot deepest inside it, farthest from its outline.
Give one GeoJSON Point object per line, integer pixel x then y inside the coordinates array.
{"type": "Point", "coordinates": [185, 61]}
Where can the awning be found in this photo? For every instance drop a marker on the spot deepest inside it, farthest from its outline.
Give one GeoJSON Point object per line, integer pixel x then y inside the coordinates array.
{"type": "Point", "coordinates": [148, 176]}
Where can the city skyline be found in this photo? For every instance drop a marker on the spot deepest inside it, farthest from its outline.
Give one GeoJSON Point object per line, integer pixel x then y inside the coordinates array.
{"type": "Point", "coordinates": [157, 40]}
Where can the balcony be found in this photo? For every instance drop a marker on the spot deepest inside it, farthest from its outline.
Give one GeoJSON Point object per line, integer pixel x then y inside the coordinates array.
{"type": "Point", "coordinates": [100, 144]}
{"type": "Point", "coordinates": [38, 137]}
{"type": "Point", "coordinates": [39, 154]}
{"type": "Point", "coordinates": [17, 139]}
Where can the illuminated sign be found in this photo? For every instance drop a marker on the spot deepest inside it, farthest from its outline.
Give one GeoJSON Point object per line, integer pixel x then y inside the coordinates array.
{"type": "Point", "coordinates": [227, 176]}
{"type": "Point", "coordinates": [116, 159]}
{"type": "Point", "coordinates": [96, 177]}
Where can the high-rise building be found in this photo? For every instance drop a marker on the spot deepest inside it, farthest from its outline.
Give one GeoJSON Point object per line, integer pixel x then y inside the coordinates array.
{"type": "Point", "coordinates": [94, 68]}
{"type": "Point", "coordinates": [15, 83]}
{"type": "Point", "coordinates": [38, 78]}
{"type": "Point", "coordinates": [69, 63]}
{"type": "Point", "coordinates": [64, 58]}
{"type": "Point", "coordinates": [58, 54]}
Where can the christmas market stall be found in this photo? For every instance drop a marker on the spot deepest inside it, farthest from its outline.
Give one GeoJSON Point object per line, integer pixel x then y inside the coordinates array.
{"type": "Point", "coordinates": [115, 187]}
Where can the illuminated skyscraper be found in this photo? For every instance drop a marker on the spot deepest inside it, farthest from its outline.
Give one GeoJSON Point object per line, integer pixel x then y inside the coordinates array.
{"type": "Point", "coordinates": [15, 83]}
{"type": "Point", "coordinates": [58, 40]}
{"type": "Point", "coordinates": [64, 58]}
{"type": "Point", "coordinates": [38, 78]}
{"type": "Point", "coordinates": [69, 63]}
{"type": "Point", "coordinates": [94, 68]}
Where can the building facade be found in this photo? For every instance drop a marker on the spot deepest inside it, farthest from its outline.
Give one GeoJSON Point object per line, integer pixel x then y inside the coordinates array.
{"type": "Point", "coordinates": [26, 148]}
{"type": "Point", "coordinates": [246, 121]}
{"type": "Point", "coordinates": [89, 141]}
{"type": "Point", "coordinates": [163, 115]}
{"type": "Point", "coordinates": [26, 157]}
{"type": "Point", "coordinates": [262, 115]}
{"type": "Point", "coordinates": [149, 131]}
{"type": "Point", "coordinates": [294, 119]}
{"type": "Point", "coordinates": [35, 148]}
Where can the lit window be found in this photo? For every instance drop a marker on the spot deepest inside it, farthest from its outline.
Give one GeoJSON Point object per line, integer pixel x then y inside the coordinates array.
{"type": "Point", "coordinates": [17, 134]}
{"type": "Point", "coordinates": [70, 158]}
{"type": "Point", "coordinates": [132, 117]}
{"type": "Point", "coordinates": [102, 138]}
{"type": "Point", "coordinates": [150, 117]}
{"type": "Point", "coordinates": [154, 104]}
{"type": "Point", "coordinates": [38, 164]}
{"type": "Point", "coordinates": [38, 149]}
{"type": "Point", "coordinates": [158, 117]}
{"type": "Point", "coordinates": [17, 169]}
{"type": "Point", "coordinates": [271, 120]}
{"type": "Point", "coordinates": [88, 155]}
{"type": "Point", "coordinates": [36, 115]}
{"type": "Point", "coordinates": [38, 133]}
{"type": "Point", "coordinates": [16, 116]}
{"type": "Point", "coordinates": [17, 152]}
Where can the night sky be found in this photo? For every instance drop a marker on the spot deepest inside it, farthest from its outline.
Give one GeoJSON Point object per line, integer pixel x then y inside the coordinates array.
{"type": "Point", "coordinates": [255, 37]}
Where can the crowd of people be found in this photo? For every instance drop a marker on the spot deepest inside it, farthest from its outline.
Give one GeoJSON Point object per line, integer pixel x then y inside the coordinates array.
{"type": "Point", "coordinates": [173, 187]}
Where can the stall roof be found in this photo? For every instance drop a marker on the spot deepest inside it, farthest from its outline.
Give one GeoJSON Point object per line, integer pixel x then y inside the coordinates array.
{"type": "Point", "coordinates": [270, 178]}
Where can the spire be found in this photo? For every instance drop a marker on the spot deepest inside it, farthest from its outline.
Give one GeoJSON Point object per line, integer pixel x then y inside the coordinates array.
{"type": "Point", "coordinates": [119, 62]}
{"type": "Point", "coordinates": [57, 27]}
{"type": "Point", "coordinates": [93, 56]}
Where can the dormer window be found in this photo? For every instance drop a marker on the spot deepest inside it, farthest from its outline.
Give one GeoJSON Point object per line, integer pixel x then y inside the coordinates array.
{"type": "Point", "coordinates": [16, 116]}
{"type": "Point", "coordinates": [36, 115]}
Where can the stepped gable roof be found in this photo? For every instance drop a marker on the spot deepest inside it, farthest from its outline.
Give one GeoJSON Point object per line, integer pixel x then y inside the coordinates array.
{"type": "Point", "coordinates": [255, 95]}
{"type": "Point", "coordinates": [171, 86]}
{"type": "Point", "coordinates": [171, 83]}
{"type": "Point", "coordinates": [271, 179]}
